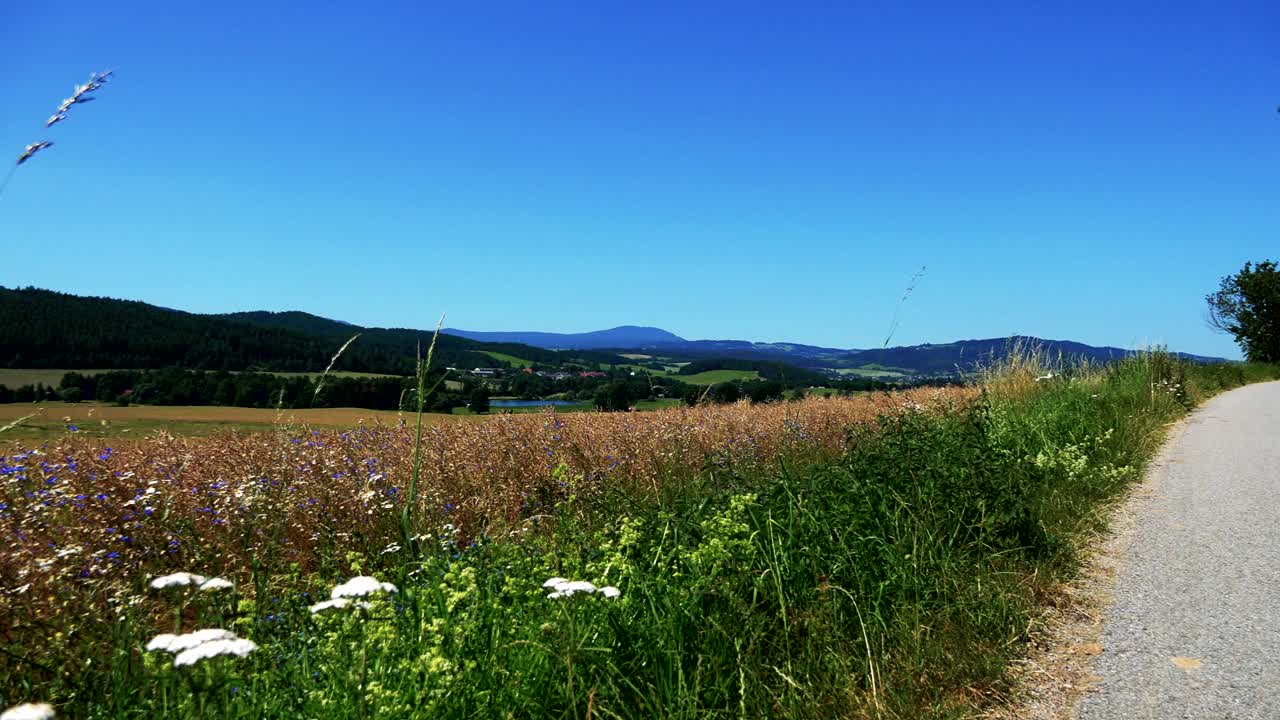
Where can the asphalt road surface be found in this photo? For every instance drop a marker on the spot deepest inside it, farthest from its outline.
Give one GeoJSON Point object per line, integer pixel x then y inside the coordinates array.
{"type": "Point", "coordinates": [1194, 631]}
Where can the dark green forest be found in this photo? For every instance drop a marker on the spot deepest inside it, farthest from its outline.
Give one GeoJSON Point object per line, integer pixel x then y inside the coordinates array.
{"type": "Point", "coordinates": [47, 329]}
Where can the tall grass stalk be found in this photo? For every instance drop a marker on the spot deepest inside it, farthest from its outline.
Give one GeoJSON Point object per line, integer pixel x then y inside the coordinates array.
{"type": "Point", "coordinates": [325, 374]}
{"type": "Point", "coordinates": [422, 369]}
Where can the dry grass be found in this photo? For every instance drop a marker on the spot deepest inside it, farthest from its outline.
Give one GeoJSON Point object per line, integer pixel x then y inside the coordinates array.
{"type": "Point", "coordinates": [17, 377]}
{"type": "Point", "coordinates": [88, 413]}
{"type": "Point", "coordinates": [77, 510]}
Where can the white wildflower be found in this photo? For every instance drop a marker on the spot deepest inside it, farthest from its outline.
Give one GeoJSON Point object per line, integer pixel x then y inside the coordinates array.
{"type": "Point", "coordinates": [232, 646]}
{"type": "Point", "coordinates": [361, 586]}
{"type": "Point", "coordinates": [161, 642]}
{"type": "Point", "coordinates": [28, 711]}
{"type": "Point", "coordinates": [610, 591]}
{"type": "Point", "coordinates": [179, 579]}
{"type": "Point", "coordinates": [337, 604]}
{"type": "Point", "coordinates": [215, 584]}
{"type": "Point", "coordinates": [178, 643]}
{"type": "Point", "coordinates": [565, 588]}
{"type": "Point", "coordinates": [554, 582]}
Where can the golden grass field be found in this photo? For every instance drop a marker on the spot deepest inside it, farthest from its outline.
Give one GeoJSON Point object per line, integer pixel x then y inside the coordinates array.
{"type": "Point", "coordinates": [51, 419]}
{"type": "Point", "coordinates": [483, 472]}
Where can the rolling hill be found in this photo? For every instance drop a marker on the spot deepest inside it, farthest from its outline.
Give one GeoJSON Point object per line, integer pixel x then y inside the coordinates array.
{"type": "Point", "coordinates": [623, 336]}
{"type": "Point", "coordinates": [47, 329]}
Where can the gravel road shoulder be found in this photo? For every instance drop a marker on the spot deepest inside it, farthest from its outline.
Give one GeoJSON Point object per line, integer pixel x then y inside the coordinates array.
{"type": "Point", "coordinates": [1177, 612]}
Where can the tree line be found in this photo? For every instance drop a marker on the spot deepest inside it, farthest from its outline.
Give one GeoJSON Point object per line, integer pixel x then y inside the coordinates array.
{"type": "Point", "coordinates": [177, 386]}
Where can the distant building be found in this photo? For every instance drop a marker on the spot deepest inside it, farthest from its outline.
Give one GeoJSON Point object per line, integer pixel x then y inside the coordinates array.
{"type": "Point", "coordinates": [592, 373]}
{"type": "Point", "coordinates": [486, 372]}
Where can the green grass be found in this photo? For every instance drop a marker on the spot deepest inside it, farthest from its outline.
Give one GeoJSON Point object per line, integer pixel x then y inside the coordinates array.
{"type": "Point", "coordinates": [871, 371]}
{"type": "Point", "coordinates": [711, 377]}
{"type": "Point", "coordinates": [642, 368]}
{"type": "Point", "coordinates": [658, 404]}
{"type": "Point", "coordinates": [509, 359]}
{"type": "Point", "coordinates": [897, 582]}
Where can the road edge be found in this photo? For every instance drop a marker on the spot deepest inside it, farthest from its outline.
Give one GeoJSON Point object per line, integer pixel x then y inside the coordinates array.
{"type": "Point", "coordinates": [1051, 681]}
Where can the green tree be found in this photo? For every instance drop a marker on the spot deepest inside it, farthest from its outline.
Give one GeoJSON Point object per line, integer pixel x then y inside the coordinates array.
{"type": "Point", "coordinates": [725, 392]}
{"type": "Point", "coordinates": [478, 400]}
{"type": "Point", "coordinates": [614, 396]}
{"type": "Point", "coordinates": [1247, 306]}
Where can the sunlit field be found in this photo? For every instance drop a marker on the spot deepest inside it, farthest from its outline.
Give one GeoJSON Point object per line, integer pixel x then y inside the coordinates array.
{"type": "Point", "coordinates": [877, 556]}
{"type": "Point", "coordinates": [54, 421]}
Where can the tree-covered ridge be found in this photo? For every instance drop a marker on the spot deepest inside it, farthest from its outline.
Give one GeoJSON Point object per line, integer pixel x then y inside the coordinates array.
{"type": "Point", "coordinates": [48, 329]}
{"type": "Point", "coordinates": [404, 341]}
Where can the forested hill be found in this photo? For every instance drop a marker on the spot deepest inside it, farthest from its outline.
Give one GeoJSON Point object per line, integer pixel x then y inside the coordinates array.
{"type": "Point", "coordinates": [404, 342]}
{"type": "Point", "coordinates": [968, 355]}
{"type": "Point", "coordinates": [47, 329]}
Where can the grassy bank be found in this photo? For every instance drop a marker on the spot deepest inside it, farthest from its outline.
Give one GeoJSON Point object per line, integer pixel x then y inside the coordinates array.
{"type": "Point", "coordinates": [877, 557]}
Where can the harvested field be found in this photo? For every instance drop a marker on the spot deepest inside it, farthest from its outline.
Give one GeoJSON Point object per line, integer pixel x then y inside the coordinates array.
{"type": "Point", "coordinates": [50, 420]}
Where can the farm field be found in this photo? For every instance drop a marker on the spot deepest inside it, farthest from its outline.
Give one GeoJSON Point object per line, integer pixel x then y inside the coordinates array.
{"type": "Point", "coordinates": [510, 359]}
{"type": "Point", "coordinates": [711, 377]}
{"type": "Point", "coordinates": [651, 371]}
{"type": "Point", "coordinates": [51, 420]}
{"type": "Point", "coordinates": [871, 372]}
{"type": "Point", "coordinates": [17, 377]}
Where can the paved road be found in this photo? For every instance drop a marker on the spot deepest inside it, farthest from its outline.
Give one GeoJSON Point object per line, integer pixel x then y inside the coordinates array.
{"type": "Point", "coordinates": [1194, 631]}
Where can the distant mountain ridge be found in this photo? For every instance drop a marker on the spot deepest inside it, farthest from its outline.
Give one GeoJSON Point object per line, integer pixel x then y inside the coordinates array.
{"type": "Point", "coordinates": [924, 359]}
{"type": "Point", "coordinates": [623, 336]}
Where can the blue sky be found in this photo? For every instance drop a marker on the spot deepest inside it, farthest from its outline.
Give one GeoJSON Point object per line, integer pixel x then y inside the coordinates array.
{"type": "Point", "coordinates": [764, 171]}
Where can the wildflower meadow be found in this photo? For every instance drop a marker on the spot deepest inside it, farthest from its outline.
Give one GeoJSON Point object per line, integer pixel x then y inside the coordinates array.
{"type": "Point", "coordinates": [876, 556]}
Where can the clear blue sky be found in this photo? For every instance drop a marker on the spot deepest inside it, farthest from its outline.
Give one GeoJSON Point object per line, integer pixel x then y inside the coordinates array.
{"type": "Point", "coordinates": [764, 171]}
